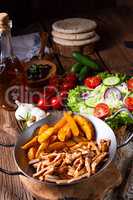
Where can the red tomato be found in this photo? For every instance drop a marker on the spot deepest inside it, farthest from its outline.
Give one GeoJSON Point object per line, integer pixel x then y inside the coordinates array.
{"type": "Point", "coordinates": [64, 94]}
{"type": "Point", "coordinates": [71, 78]}
{"type": "Point", "coordinates": [35, 99]}
{"type": "Point", "coordinates": [101, 110]}
{"type": "Point", "coordinates": [130, 84]}
{"type": "Point", "coordinates": [67, 86]}
{"type": "Point", "coordinates": [43, 104]}
{"type": "Point", "coordinates": [56, 102]}
{"type": "Point", "coordinates": [51, 90]}
{"type": "Point", "coordinates": [129, 103]}
{"type": "Point", "coordinates": [92, 82]}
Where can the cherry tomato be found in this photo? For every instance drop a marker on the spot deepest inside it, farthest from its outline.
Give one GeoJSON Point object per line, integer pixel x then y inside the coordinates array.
{"type": "Point", "coordinates": [92, 82]}
{"type": "Point", "coordinates": [67, 86]}
{"type": "Point", "coordinates": [101, 110]}
{"type": "Point", "coordinates": [63, 94]}
{"type": "Point", "coordinates": [51, 90]}
{"type": "Point", "coordinates": [56, 102]}
{"type": "Point", "coordinates": [35, 99]}
{"type": "Point", "coordinates": [71, 78]}
{"type": "Point", "coordinates": [130, 84]}
{"type": "Point", "coordinates": [43, 104]}
{"type": "Point", "coordinates": [129, 103]}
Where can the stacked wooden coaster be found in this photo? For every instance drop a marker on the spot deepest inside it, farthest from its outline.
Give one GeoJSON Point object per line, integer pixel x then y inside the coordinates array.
{"type": "Point", "coordinates": [74, 34]}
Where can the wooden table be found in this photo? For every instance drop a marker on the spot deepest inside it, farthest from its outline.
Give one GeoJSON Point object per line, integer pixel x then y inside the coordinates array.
{"type": "Point", "coordinates": [115, 27]}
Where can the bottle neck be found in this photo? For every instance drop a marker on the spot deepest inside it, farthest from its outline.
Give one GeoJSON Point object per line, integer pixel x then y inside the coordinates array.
{"type": "Point", "coordinates": [6, 50]}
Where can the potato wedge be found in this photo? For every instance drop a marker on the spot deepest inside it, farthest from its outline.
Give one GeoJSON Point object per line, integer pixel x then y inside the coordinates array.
{"type": "Point", "coordinates": [72, 123]}
{"type": "Point", "coordinates": [32, 142]}
{"type": "Point", "coordinates": [79, 139]}
{"type": "Point", "coordinates": [31, 153]}
{"type": "Point", "coordinates": [43, 128]}
{"type": "Point", "coordinates": [43, 146]}
{"type": "Point", "coordinates": [56, 146]}
{"type": "Point", "coordinates": [86, 126]}
{"type": "Point", "coordinates": [60, 124]}
{"type": "Point", "coordinates": [78, 145]}
{"type": "Point", "coordinates": [52, 139]}
{"type": "Point", "coordinates": [70, 143]}
{"type": "Point", "coordinates": [64, 133]}
{"type": "Point", "coordinates": [46, 134]}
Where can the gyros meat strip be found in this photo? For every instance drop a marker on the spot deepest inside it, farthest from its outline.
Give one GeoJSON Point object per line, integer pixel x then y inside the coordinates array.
{"type": "Point", "coordinates": [104, 145]}
{"type": "Point", "coordinates": [88, 166]}
{"type": "Point", "coordinates": [97, 161]}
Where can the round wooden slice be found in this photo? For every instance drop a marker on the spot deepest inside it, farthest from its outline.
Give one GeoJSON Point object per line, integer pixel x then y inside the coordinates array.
{"type": "Point", "coordinates": [76, 36]}
{"type": "Point", "coordinates": [75, 42]}
{"type": "Point", "coordinates": [74, 25]}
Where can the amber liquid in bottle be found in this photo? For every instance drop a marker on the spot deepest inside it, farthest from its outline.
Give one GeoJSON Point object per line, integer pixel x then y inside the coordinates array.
{"type": "Point", "coordinates": [12, 76]}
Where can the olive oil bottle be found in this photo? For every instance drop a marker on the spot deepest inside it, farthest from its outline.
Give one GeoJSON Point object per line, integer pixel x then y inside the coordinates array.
{"type": "Point", "coordinates": [12, 76]}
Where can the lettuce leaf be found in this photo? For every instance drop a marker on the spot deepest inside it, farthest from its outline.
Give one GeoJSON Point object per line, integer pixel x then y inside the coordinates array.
{"type": "Point", "coordinates": [119, 120]}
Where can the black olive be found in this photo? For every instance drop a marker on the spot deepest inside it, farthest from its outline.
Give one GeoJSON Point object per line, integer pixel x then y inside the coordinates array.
{"type": "Point", "coordinates": [38, 71]}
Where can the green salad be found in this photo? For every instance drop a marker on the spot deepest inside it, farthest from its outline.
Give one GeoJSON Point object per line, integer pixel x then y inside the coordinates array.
{"type": "Point", "coordinates": [113, 92]}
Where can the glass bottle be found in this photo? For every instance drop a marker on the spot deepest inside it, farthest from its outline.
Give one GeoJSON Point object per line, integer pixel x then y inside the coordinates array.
{"type": "Point", "coordinates": [12, 76]}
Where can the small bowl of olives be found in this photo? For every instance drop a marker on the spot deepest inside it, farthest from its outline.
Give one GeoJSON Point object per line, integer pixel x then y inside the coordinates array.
{"type": "Point", "coordinates": [39, 71]}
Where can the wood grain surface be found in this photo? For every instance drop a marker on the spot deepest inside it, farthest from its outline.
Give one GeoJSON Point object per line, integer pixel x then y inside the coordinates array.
{"type": "Point", "coordinates": [11, 186]}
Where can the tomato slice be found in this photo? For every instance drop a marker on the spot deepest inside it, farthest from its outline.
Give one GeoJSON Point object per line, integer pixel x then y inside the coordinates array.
{"type": "Point", "coordinates": [130, 84]}
{"type": "Point", "coordinates": [92, 82]}
{"type": "Point", "coordinates": [129, 103]}
{"type": "Point", "coordinates": [101, 110]}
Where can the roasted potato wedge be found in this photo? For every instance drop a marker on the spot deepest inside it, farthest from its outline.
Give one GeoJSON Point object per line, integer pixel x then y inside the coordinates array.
{"type": "Point", "coordinates": [46, 134]}
{"type": "Point", "coordinates": [72, 123]}
{"type": "Point", "coordinates": [60, 124]}
{"type": "Point", "coordinates": [56, 146]}
{"type": "Point", "coordinates": [79, 139]}
{"type": "Point", "coordinates": [32, 142]}
{"type": "Point", "coordinates": [85, 126]}
{"type": "Point", "coordinates": [70, 143]}
{"type": "Point", "coordinates": [42, 129]}
{"type": "Point", "coordinates": [43, 146]}
{"type": "Point", "coordinates": [31, 153]}
{"type": "Point", "coordinates": [64, 133]}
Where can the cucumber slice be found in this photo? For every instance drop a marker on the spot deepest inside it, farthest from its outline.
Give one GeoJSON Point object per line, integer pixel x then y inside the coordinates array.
{"type": "Point", "coordinates": [92, 102]}
{"type": "Point", "coordinates": [110, 81]}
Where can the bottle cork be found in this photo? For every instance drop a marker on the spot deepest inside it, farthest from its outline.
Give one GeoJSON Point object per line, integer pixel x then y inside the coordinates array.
{"type": "Point", "coordinates": [4, 22]}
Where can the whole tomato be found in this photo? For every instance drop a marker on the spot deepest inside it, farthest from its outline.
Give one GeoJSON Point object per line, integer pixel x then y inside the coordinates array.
{"type": "Point", "coordinates": [51, 90]}
{"type": "Point", "coordinates": [43, 104]}
{"type": "Point", "coordinates": [92, 82]}
{"type": "Point", "coordinates": [63, 94]}
{"type": "Point", "coordinates": [71, 78]}
{"type": "Point", "coordinates": [56, 102]}
{"type": "Point", "coordinates": [67, 86]}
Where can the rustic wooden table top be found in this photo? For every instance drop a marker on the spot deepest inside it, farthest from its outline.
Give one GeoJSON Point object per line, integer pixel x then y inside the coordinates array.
{"type": "Point", "coordinates": [115, 28]}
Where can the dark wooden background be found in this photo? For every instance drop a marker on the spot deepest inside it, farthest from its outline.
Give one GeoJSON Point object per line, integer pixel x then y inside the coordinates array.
{"type": "Point", "coordinates": [26, 12]}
